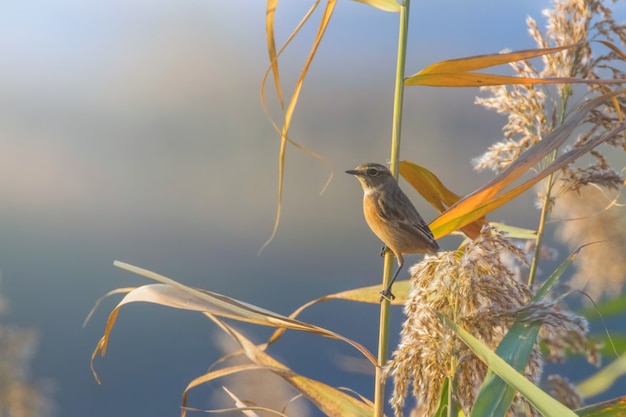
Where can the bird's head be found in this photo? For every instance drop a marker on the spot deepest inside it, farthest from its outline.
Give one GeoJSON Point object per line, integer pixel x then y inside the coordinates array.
{"type": "Point", "coordinates": [372, 175]}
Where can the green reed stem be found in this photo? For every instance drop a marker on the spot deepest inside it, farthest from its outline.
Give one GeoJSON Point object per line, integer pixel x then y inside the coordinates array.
{"type": "Point", "coordinates": [383, 335]}
{"type": "Point", "coordinates": [545, 209]}
{"type": "Point", "coordinates": [547, 205]}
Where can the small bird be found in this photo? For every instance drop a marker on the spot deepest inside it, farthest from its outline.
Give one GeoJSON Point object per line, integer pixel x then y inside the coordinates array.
{"type": "Point", "coordinates": [392, 217]}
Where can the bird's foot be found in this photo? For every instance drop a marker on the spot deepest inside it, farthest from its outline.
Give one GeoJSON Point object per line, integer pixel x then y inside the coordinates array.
{"type": "Point", "coordinates": [384, 250]}
{"type": "Point", "coordinates": [387, 295]}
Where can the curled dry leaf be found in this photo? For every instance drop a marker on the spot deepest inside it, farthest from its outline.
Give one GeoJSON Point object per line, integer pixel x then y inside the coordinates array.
{"type": "Point", "coordinates": [173, 294]}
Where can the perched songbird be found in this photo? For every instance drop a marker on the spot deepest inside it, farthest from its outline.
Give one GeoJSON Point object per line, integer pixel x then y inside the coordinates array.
{"type": "Point", "coordinates": [392, 217]}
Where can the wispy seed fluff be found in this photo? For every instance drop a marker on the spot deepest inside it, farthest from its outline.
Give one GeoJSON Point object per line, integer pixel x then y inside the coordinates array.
{"type": "Point", "coordinates": [477, 290]}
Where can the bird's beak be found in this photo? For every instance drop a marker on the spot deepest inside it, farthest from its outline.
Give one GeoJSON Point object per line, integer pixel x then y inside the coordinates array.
{"type": "Point", "coordinates": [353, 172]}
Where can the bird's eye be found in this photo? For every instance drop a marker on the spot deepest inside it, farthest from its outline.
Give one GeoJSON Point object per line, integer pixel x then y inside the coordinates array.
{"type": "Point", "coordinates": [372, 172]}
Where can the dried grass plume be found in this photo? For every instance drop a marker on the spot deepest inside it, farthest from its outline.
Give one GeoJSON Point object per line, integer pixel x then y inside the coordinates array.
{"type": "Point", "coordinates": [475, 288]}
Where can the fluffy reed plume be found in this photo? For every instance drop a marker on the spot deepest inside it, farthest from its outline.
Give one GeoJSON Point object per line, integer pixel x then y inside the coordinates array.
{"type": "Point", "coordinates": [533, 111]}
{"type": "Point", "coordinates": [476, 289]}
{"type": "Point", "coordinates": [20, 393]}
{"type": "Point", "coordinates": [588, 215]}
{"type": "Point", "coordinates": [561, 389]}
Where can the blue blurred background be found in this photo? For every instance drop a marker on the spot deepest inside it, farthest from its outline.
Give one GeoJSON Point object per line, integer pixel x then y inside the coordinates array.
{"type": "Point", "coordinates": [133, 130]}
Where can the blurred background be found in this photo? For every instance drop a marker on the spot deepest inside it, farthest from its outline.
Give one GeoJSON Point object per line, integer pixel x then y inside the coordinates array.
{"type": "Point", "coordinates": [133, 130]}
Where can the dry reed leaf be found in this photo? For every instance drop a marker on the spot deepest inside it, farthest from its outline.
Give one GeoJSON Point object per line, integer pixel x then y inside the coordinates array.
{"type": "Point", "coordinates": [241, 405]}
{"type": "Point", "coordinates": [283, 130]}
{"type": "Point", "coordinates": [173, 294]}
{"type": "Point", "coordinates": [270, 14]}
{"type": "Point", "coordinates": [457, 72]}
{"type": "Point", "coordinates": [487, 198]}
{"type": "Point", "coordinates": [363, 295]}
{"type": "Point", "coordinates": [514, 232]}
{"type": "Point", "coordinates": [331, 401]}
{"type": "Point", "coordinates": [371, 294]}
{"type": "Point", "coordinates": [432, 189]}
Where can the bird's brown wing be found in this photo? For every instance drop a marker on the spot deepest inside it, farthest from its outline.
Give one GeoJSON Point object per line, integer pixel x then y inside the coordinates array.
{"type": "Point", "coordinates": [400, 211]}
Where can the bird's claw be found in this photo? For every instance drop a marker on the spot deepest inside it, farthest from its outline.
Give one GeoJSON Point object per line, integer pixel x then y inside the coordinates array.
{"type": "Point", "coordinates": [387, 295]}
{"type": "Point", "coordinates": [383, 251]}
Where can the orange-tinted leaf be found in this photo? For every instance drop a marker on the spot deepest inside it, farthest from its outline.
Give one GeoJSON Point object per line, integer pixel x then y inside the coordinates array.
{"type": "Point", "coordinates": [477, 62]}
{"type": "Point", "coordinates": [457, 72]}
{"type": "Point", "coordinates": [438, 195]}
{"type": "Point", "coordinates": [477, 79]}
{"type": "Point", "coordinates": [560, 163]}
{"type": "Point", "coordinates": [371, 294]}
{"type": "Point", "coordinates": [428, 185]}
{"type": "Point", "coordinates": [488, 197]}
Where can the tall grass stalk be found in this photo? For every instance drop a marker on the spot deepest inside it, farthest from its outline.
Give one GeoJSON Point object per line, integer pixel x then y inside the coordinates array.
{"type": "Point", "coordinates": [383, 335]}
{"type": "Point", "coordinates": [543, 218]}
{"type": "Point", "coordinates": [546, 206]}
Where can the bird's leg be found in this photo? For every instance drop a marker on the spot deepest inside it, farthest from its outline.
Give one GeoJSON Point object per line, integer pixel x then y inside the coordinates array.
{"type": "Point", "coordinates": [386, 293]}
